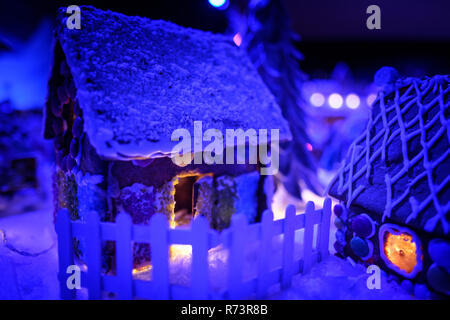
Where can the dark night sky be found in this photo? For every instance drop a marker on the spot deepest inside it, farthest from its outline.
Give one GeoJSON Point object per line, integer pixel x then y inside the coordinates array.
{"type": "Point", "coordinates": [313, 19]}
{"type": "Point", "coordinates": [346, 19]}
{"type": "Point", "coordinates": [415, 32]}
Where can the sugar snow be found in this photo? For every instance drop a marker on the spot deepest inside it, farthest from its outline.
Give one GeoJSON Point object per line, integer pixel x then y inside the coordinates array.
{"type": "Point", "coordinates": [35, 277]}
{"type": "Point", "coordinates": [138, 80]}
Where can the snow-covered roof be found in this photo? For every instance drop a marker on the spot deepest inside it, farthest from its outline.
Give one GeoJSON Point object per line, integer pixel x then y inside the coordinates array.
{"type": "Point", "coordinates": [138, 80]}
{"type": "Point", "coordinates": [399, 167]}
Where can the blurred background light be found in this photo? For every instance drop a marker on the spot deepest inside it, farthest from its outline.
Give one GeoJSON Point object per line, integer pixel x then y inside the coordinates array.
{"type": "Point", "coordinates": [352, 101]}
{"type": "Point", "coordinates": [335, 100]}
{"type": "Point", "coordinates": [371, 98]}
{"type": "Point", "coordinates": [237, 39]}
{"type": "Point", "coordinates": [219, 4]}
{"type": "Point", "coordinates": [317, 99]}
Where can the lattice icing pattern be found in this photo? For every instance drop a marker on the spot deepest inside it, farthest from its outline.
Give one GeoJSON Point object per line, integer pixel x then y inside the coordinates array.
{"type": "Point", "coordinates": [409, 123]}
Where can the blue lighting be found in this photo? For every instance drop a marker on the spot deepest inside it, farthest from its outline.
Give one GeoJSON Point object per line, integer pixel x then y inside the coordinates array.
{"type": "Point", "coordinates": [219, 4]}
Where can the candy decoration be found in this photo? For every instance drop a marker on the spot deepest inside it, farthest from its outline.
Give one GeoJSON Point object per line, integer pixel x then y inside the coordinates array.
{"type": "Point", "coordinates": [77, 128]}
{"type": "Point", "coordinates": [386, 76]}
{"type": "Point", "coordinates": [439, 251]}
{"type": "Point", "coordinates": [74, 148]}
{"type": "Point", "coordinates": [340, 236]}
{"type": "Point", "coordinates": [339, 223]}
{"type": "Point", "coordinates": [338, 210]}
{"type": "Point", "coordinates": [360, 247]}
{"type": "Point", "coordinates": [407, 286]}
{"type": "Point", "coordinates": [339, 247]}
{"type": "Point", "coordinates": [363, 226]}
{"type": "Point", "coordinates": [392, 278]}
{"type": "Point", "coordinates": [439, 279]}
{"type": "Point", "coordinates": [421, 291]}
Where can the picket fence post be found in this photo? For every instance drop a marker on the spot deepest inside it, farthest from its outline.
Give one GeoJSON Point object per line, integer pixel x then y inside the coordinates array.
{"type": "Point", "coordinates": [124, 256]}
{"type": "Point", "coordinates": [65, 252]}
{"type": "Point", "coordinates": [325, 229]}
{"type": "Point", "coordinates": [288, 248]}
{"type": "Point", "coordinates": [308, 237]}
{"type": "Point", "coordinates": [265, 253]}
{"type": "Point", "coordinates": [93, 256]}
{"type": "Point", "coordinates": [200, 275]}
{"type": "Point", "coordinates": [159, 248]}
{"type": "Point", "coordinates": [236, 256]}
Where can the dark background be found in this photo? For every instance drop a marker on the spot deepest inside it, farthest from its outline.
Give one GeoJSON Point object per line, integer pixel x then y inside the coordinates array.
{"type": "Point", "coordinates": [414, 35]}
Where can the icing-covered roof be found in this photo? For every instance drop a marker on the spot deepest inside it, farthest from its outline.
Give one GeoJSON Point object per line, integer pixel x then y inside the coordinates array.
{"type": "Point", "coordinates": [138, 80]}
{"type": "Point", "coordinates": [399, 167]}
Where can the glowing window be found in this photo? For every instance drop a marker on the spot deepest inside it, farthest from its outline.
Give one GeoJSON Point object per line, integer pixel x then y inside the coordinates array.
{"type": "Point", "coordinates": [401, 250]}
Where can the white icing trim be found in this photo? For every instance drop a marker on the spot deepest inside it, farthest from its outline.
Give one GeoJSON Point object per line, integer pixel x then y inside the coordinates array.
{"type": "Point", "coordinates": [361, 148]}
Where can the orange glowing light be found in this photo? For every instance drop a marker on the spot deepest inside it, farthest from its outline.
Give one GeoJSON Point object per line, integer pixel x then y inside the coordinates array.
{"type": "Point", "coordinates": [142, 269]}
{"type": "Point", "coordinates": [178, 251]}
{"type": "Point", "coordinates": [401, 250]}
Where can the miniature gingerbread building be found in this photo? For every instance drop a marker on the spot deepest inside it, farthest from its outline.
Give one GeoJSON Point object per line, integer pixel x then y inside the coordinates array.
{"type": "Point", "coordinates": [394, 183]}
{"type": "Point", "coordinates": [119, 87]}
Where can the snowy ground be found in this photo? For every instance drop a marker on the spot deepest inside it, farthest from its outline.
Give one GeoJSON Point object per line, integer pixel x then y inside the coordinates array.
{"type": "Point", "coordinates": [337, 279]}
{"type": "Point", "coordinates": [28, 257]}
{"type": "Point", "coordinates": [28, 266]}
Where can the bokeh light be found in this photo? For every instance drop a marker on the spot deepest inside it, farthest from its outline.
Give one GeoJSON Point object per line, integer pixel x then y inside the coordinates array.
{"type": "Point", "coordinates": [317, 99]}
{"type": "Point", "coordinates": [219, 4]}
{"type": "Point", "coordinates": [335, 100]}
{"type": "Point", "coordinates": [237, 39]}
{"type": "Point", "coordinates": [371, 98]}
{"type": "Point", "coordinates": [352, 101]}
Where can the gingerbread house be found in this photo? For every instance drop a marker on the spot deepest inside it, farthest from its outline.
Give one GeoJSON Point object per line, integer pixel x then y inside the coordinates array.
{"type": "Point", "coordinates": [394, 184]}
{"type": "Point", "coordinates": [119, 87]}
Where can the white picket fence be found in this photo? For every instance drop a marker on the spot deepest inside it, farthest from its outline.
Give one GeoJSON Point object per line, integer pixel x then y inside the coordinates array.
{"type": "Point", "coordinates": [201, 238]}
